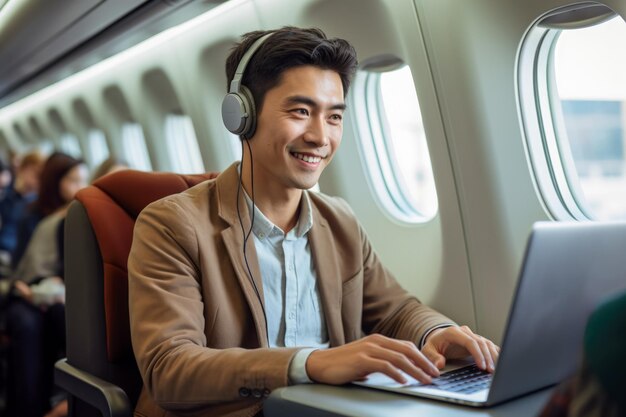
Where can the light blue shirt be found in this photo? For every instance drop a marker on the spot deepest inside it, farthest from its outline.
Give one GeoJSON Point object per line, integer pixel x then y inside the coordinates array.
{"type": "Point", "coordinates": [292, 299]}
{"type": "Point", "coordinates": [290, 289]}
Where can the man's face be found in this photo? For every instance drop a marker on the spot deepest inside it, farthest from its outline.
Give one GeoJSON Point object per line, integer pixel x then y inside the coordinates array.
{"type": "Point", "coordinates": [299, 128]}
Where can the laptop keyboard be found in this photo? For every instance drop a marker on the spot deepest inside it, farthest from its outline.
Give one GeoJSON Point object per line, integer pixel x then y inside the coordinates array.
{"type": "Point", "coordinates": [466, 380]}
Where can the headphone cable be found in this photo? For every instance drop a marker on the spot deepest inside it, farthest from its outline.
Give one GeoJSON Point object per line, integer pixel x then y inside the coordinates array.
{"type": "Point", "coordinates": [245, 235]}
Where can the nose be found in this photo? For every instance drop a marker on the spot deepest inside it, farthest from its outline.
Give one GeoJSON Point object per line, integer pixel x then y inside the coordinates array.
{"type": "Point", "coordinates": [317, 131]}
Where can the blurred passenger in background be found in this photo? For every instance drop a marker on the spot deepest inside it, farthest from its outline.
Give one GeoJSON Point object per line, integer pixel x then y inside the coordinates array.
{"type": "Point", "coordinates": [15, 204]}
{"type": "Point", "coordinates": [15, 159]}
{"type": "Point", "coordinates": [36, 311]}
{"type": "Point", "coordinates": [57, 167]}
{"type": "Point", "coordinates": [6, 178]}
{"type": "Point", "coordinates": [597, 388]}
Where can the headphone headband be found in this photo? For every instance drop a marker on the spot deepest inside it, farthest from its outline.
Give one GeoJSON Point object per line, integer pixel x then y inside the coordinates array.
{"type": "Point", "coordinates": [243, 63]}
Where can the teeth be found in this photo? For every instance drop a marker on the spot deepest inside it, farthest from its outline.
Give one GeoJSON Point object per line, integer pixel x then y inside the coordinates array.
{"type": "Point", "coordinates": [307, 158]}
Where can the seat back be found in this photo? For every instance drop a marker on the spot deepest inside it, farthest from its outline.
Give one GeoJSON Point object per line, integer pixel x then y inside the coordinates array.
{"type": "Point", "coordinates": [98, 237]}
{"type": "Point", "coordinates": [605, 345]}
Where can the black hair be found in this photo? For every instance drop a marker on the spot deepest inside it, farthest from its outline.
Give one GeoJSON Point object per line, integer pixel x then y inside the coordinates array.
{"type": "Point", "coordinates": [287, 48]}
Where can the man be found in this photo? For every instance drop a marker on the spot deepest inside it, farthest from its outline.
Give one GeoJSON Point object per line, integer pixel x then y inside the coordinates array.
{"type": "Point", "coordinates": [235, 292]}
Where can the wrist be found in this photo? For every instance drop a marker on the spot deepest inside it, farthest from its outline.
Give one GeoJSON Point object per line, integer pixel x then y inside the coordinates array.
{"type": "Point", "coordinates": [433, 333]}
{"type": "Point", "coordinates": [297, 368]}
{"type": "Point", "coordinates": [313, 365]}
{"type": "Point", "coordinates": [429, 333]}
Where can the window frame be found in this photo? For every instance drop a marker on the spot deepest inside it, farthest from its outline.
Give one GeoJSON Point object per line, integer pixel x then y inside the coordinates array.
{"type": "Point", "coordinates": [383, 174]}
{"type": "Point", "coordinates": [543, 126]}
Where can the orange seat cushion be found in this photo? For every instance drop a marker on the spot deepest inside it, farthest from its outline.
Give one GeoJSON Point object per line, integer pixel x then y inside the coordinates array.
{"type": "Point", "coordinates": [113, 203]}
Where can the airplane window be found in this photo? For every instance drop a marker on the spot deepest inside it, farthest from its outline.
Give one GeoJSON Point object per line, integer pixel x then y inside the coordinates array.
{"type": "Point", "coordinates": [69, 145]}
{"type": "Point", "coordinates": [182, 144]}
{"type": "Point", "coordinates": [134, 146]}
{"type": "Point", "coordinates": [394, 144]}
{"type": "Point", "coordinates": [589, 68]}
{"type": "Point", "coordinates": [46, 147]}
{"type": "Point", "coordinates": [572, 103]}
{"type": "Point", "coordinates": [98, 148]}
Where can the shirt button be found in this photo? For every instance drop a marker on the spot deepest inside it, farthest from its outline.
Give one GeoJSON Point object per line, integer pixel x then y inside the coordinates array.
{"type": "Point", "coordinates": [291, 267]}
{"type": "Point", "coordinates": [244, 392]}
{"type": "Point", "coordinates": [257, 393]}
{"type": "Point", "coordinates": [261, 235]}
{"type": "Point", "coordinates": [292, 315]}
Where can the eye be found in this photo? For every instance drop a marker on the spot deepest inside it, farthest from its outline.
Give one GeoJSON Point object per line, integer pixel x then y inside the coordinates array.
{"type": "Point", "coordinates": [301, 112]}
{"type": "Point", "coordinates": [336, 118]}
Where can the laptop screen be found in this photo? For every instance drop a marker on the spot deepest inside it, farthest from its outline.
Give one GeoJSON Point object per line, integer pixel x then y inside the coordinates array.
{"type": "Point", "coordinates": [568, 269]}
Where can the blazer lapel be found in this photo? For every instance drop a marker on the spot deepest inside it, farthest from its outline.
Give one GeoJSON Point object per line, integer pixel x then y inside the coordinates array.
{"type": "Point", "coordinates": [328, 276]}
{"type": "Point", "coordinates": [232, 236]}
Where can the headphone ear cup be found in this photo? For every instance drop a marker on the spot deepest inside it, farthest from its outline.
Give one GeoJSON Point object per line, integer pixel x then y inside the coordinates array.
{"type": "Point", "coordinates": [250, 125]}
{"type": "Point", "coordinates": [234, 113]}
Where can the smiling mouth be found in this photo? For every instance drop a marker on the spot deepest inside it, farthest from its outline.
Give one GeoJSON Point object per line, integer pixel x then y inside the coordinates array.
{"type": "Point", "coordinates": [312, 159]}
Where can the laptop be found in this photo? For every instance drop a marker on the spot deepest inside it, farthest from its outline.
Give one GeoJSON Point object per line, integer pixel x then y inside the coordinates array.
{"type": "Point", "coordinates": [568, 269]}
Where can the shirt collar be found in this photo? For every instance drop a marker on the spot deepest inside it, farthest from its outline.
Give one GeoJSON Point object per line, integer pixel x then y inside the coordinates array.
{"type": "Point", "coordinates": [263, 227]}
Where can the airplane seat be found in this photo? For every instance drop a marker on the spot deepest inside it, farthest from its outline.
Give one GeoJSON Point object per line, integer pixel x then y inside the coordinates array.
{"type": "Point", "coordinates": [597, 388]}
{"type": "Point", "coordinates": [100, 373]}
{"type": "Point", "coordinates": [605, 345]}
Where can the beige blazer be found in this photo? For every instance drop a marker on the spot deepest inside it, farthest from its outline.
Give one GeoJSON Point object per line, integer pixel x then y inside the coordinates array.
{"type": "Point", "coordinates": [197, 325]}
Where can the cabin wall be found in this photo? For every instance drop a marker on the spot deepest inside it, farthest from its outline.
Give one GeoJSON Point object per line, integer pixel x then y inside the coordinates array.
{"type": "Point", "coordinates": [463, 57]}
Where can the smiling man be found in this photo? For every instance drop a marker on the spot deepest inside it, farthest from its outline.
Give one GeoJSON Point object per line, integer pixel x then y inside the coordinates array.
{"type": "Point", "coordinates": [250, 282]}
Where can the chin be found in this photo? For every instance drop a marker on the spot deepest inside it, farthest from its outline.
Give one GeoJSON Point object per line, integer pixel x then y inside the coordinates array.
{"type": "Point", "coordinates": [304, 185]}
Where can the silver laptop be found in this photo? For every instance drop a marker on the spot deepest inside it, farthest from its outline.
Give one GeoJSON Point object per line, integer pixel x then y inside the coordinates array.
{"type": "Point", "coordinates": [568, 269]}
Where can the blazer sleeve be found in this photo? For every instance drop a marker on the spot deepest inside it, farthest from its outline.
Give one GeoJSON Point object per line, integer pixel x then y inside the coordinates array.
{"type": "Point", "coordinates": [168, 325]}
{"type": "Point", "coordinates": [387, 308]}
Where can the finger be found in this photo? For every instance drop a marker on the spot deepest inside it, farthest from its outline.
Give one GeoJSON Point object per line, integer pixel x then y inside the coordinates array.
{"type": "Point", "coordinates": [411, 351]}
{"type": "Point", "coordinates": [474, 349]}
{"type": "Point", "coordinates": [430, 351]}
{"type": "Point", "coordinates": [475, 346]}
{"type": "Point", "coordinates": [401, 362]}
{"type": "Point", "coordinates": [495, 353]}
{"type": "Point", "coordinates": [385, 367]}
{"type": "Point", "coordinates": [466, 330]}
{"type": "Point", "coordinates": [483, 344]}
{"type": "Point", "coordinates": [490, 351]}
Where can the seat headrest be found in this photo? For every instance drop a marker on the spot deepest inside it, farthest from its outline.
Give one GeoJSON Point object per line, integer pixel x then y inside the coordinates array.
{"type": "Point", "coordinates": [134, 190]}
{"type": "Point", "coordinates": [112, 204]}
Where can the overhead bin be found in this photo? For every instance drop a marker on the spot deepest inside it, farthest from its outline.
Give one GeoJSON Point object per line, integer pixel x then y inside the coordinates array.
{"type": "Point", "coordinates": [45, 41]}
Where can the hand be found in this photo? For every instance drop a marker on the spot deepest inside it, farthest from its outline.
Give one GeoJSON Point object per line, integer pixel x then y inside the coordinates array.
{"type": "Point", "coordinates": [23, 290]}
{"type": "Point", "coordinates": [59, 410]}
{"type": "Point", "coordinates": [458, 342]}
{"type": "Point", "coordinates": [374, 353]}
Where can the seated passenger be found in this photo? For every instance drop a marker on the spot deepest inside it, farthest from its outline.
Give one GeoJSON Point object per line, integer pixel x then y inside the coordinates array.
{"type": "Point", "coordinates": [16, 202]}
{"type": "Point", "coordinates": [597, 388]}
{"type": "Point", "coordinates": [6, 180]}
{"type": "Point", "coordinates": [35, 313]}
{"type": "Point", "coordinates": [55, 168]}
{"type": "Point", "coordinates": [248, 282]}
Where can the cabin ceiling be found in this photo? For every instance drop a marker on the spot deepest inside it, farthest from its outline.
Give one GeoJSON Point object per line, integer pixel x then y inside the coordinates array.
{"type": "Point", "coordinates": [42, 42]}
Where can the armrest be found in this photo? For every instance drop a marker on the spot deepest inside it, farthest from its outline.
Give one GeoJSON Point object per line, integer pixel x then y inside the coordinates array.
{"type": "Point", "coordinates": [109, 399]}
